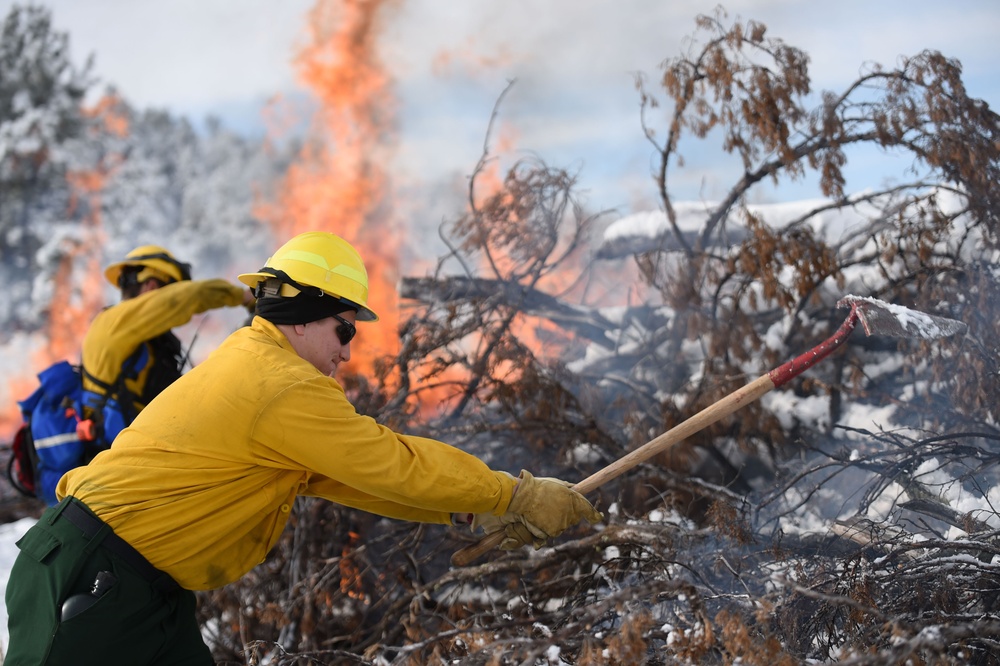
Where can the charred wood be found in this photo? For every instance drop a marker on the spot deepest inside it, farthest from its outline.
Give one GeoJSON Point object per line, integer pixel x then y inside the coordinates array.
{"type": "Point", "coordinates": [584, 322]}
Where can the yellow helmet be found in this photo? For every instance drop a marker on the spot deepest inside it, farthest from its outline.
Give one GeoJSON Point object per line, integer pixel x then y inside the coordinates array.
{"type": "Point", "coordinates": [156, 263]}
{"type": "Point", "coordinates": [317, 259]}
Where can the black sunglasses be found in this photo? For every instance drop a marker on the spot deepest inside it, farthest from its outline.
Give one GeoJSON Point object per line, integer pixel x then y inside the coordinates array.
{"type": "Point", "coordinates": [345, 330]}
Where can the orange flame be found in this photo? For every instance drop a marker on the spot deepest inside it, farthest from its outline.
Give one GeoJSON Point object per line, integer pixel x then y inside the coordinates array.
{"type": "Point", "coordinates": [10, 415]}
{"type": "Point", "coordinates": [338, 183]}
{"type": "Point", "coordinates": [350, 574]}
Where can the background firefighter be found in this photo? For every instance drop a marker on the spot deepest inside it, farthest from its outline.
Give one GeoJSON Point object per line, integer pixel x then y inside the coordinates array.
{"type": "Point", "coordinates": [203, 482]}
{"type": "Point", "coordinates": [130, 353]}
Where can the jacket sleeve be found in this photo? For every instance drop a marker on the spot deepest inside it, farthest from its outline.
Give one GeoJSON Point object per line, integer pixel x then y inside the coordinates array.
{"type": "Point", "coordinates": [355, 461]}
{"type": "Point", "coordinates": [355, 499]}
{"type": "Point", "coordinates": [156, 312]}
{"type": "Point", "coordinates": [118, 330]}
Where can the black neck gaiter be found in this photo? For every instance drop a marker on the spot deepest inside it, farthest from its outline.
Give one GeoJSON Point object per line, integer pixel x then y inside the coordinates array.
{"type": "Point", "coordinates": [300, 309]}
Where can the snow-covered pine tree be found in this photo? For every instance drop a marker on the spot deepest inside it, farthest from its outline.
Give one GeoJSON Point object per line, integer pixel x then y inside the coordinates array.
{"type": "Point", "coordinates": [41, 92]}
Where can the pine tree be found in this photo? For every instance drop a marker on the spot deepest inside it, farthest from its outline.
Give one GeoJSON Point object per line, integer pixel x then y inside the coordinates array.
{"type": "Point", "coordinates": [41, 92]}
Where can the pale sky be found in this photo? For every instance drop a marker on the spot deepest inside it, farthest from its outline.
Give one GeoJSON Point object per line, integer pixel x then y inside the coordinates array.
{"type": "Point", "coordinates": [574, 103]}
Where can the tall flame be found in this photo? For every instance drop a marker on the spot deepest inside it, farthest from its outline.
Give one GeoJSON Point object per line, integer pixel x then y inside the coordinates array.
{"type": "Point", "coordinates": [338, 183]}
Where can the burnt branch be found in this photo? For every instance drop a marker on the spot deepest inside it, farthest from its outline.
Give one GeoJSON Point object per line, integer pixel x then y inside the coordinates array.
{"type": "Point", "coordinates": [584, 322]}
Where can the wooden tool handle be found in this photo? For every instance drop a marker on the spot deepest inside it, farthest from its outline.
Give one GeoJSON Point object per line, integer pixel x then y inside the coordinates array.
{"type": "Point", "coordinates": [681, 431]}
{"type": "Point", "coordinates": [470, 554]}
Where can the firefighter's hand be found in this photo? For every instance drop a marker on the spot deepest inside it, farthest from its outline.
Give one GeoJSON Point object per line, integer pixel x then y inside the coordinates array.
{"type": "Point", "coordinates": [543, 508]}
{"type": "Point", "coordinates": [517, 532]}
{"type": "Point", "coordinates": [488, 522]}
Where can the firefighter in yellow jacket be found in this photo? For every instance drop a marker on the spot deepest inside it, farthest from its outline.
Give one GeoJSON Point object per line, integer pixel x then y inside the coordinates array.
{"type": "Point", "coordinates": [198, 490]}
{"type": "Point", "coordinates": [130, 353]}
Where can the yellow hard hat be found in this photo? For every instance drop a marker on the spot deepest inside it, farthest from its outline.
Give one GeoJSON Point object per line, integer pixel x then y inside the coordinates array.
{"type": "Point", "coordinates": [322, 260]}
{"type": "Point", "coordinates": [156, 263]}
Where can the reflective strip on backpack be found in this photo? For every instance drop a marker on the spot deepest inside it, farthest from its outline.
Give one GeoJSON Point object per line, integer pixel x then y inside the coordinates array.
{"type": "Point", "coordinates": [55, 440]}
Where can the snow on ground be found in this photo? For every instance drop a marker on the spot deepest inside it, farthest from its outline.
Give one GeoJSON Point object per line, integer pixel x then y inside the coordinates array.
{"type": "Point", "coordinates": [9, 534]}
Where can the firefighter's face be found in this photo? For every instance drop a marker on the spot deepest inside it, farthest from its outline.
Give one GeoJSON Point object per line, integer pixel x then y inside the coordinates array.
{"type": "Point", "coordinates": [319, 343]}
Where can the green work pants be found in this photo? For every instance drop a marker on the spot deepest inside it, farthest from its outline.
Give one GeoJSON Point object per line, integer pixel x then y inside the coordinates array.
{"type": "Point", "coordinates": [136, 622]}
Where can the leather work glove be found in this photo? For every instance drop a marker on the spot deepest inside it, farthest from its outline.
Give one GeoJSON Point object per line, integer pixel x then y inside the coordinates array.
{"type": "Point", "coordinates": [542, 508]}
{"type": "Point", "coordinates": [488, 522]}
{"type": "Point", "coordinates": [517, 532]}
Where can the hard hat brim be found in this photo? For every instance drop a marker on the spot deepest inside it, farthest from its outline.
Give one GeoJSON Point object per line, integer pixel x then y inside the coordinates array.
{"type": "Point", "coordinates": [363, 313]}
{"type": "Point", "coordinates": [114, 271]}
{"type": "Point", "coordinates": [167, 271]}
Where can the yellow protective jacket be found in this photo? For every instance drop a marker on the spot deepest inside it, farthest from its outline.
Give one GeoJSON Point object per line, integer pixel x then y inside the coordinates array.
{"type": "Point", "coordinates": [117, 331]}
{"type": "Point", "coordinates": [203, 481]}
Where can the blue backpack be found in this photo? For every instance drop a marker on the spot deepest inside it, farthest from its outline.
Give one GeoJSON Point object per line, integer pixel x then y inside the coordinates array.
{"type": "Point", "coordinates": [47, 445]}
{"type": "Point", "coordinates": [54, 437]}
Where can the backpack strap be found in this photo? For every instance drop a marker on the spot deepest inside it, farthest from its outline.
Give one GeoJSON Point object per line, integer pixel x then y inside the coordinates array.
{"type": "Point", "coordinates": [116, 389]}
